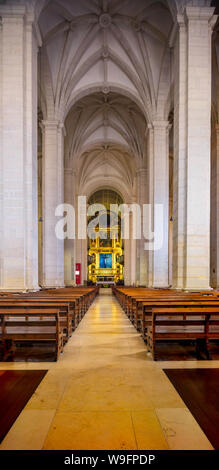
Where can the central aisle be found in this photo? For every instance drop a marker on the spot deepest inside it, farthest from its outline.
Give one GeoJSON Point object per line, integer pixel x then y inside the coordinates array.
{"type": "Point", "coordinates": [104, 393]}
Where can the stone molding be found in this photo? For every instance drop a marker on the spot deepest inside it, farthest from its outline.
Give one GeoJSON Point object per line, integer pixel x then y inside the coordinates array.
{"type": "Point", "coordinates": [69, 171]}
{"type": "Point", "coordinates": [142, 171]}
{"type": "Point", "coordinates": [14, 13]}
{"type": "Point", "coordinates": [162, 125]}
{"type": "Point", "coordinates": [10, 12]}
{"type": "Point", "coordinates": [201, 14]}
{"type": "Point", "coordinates": [53, 125]}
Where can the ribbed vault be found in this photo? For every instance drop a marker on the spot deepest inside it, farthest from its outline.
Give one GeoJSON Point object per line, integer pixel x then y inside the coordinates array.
{"type": "Point", "coordinates": [106, 44]}
{"type": "Point", "coordinates": [105, 135]}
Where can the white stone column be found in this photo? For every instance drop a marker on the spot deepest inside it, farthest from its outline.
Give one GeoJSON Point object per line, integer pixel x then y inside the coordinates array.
{"type": "Point", "coordinates": [52, 195]}
{"type": "Point", "coordinates": [18, 94]}
{"type": "Point", "coordinates": [215, 201]}
{"type": "Point", "coordinates": [141, 181]}
{"type": "Point", "coordinates": [69, 259]}
{"type": "Point", "coordinates": [179, 162]}
{"type": "Point", "coordinates": [81, 244]}
{"type": "Point", "coordinates": [127, 262]}
{"type": "Point", "coordinates": [133, 253]}
{"type": "Point", "coordinates": [161, 196]}
{"type": "Point", "coordinates": [150, 194]}
{"type": "Point", "coordinates": [84, 261]}
{"type": "Point", "coordinates": [130, 254]}
{"type": "Point", "coordinates": [191, 213]}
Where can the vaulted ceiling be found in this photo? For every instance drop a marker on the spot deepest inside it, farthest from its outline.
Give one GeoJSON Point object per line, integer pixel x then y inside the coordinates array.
{"type": "Point", "coordinates": [104, 121]}
{"type": "Point", "coordinates": [106, 45]}
{"type": "Point", "coordinates": [105, 70]}
{"type": "Point", "coordinates": [105, 139]}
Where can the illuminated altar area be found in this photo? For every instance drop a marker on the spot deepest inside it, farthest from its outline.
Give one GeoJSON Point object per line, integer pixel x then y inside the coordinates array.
{"type": "Point", "coordinates": [105, 253]}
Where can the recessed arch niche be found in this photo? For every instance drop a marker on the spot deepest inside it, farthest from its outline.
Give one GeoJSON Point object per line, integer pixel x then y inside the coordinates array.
{"type": "Point", "coordinates": [105, 246]}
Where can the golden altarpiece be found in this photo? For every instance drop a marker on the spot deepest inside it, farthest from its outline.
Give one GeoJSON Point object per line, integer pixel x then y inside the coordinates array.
{"type": "Point", "coordinates": [105, 252]}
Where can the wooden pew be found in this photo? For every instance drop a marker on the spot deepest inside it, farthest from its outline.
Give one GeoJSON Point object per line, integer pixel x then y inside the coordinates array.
{"type": "Point", "coordinates": [82, 297]}
{"type": "Point", "coordinates": [19, 325]}
{"type": "Point", "coordinates": [136, 300]}
{"type": "Point", "coordinates": [139, 303]}
{"type": "Point", "coordinates": [78, 300]}
{"type": "Point", "coordinates": [131, 298]}
{"type": "Point", "coordinates": [62, 308]}
{"type": "Point", "coordinates": [184, 324]}
{"type": "Point", "coordinates": [143, 315]}
{"type": "Point", "coordinates": [69, 304]}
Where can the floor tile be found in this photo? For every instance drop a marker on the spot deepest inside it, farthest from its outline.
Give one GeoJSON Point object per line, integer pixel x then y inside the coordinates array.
{"type": "Point", "coordinates": [148, 431]}
{"type": "Point", "coordinates": [91, 430]}
{"type": "Point", "coordinates": [181, 430]}
{"type": "Point", "coordinates": [29, 430]}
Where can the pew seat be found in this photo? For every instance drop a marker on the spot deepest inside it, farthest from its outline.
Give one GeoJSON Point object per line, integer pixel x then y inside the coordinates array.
{"type": "Point", "coordinates": [193, 324]}
{"type": "Point", "coordinates": [164, 317]}
{"type": "Point", "coordinates": [43, 319]}
{"type": "Point", "coordinates": [19, 326]}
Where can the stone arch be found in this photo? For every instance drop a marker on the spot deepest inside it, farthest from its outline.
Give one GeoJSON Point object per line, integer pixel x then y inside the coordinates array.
{"type": "Point", "coordinates": [98, 88]}
{"type": "Point", "coordinates": [114, 186]}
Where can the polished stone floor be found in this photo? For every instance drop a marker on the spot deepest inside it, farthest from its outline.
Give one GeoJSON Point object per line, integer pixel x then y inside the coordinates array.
{"type": "Point", "coordinates": [105, 392]}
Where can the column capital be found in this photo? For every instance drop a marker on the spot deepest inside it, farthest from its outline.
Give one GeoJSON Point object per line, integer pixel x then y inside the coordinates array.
{"type": "Point", "coordinates": [148, 129]}
{"type": "Point", "coordinates": [69, 171]}
{"type": "Point", "coordinates": [181, 21]}
{"type": "Point", "coordinates": [52, 124]}
{"type": "Point", "coordinates": [33, 26]}
{"type": "Point", "coordinates": [61, 128]}
{"type": "Point", "coordinates": [161, 125]}
{"type": "Point", "coordinates": [17, 15]}
{"type": "Point", "coordinates": [12, 13]}
{"type": "Point", "coordinates": [141, 171]}
{"type": "Point", "coordinates": [212, 22]}
{"type": "Point", "coordinates": [199, 13]}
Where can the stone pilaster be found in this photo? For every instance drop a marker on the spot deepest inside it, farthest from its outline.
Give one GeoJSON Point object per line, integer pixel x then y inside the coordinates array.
{"type": "Point", "coordinates": [130, 253]}
{"type": "Point", "coordinates": [19, 234]}
{"type": "Point", "coordinates": [142, 175]}
{"type": "Point", "coordinates": [215, 214]}
{"type": "Point", "coordinates": [81, 243]}
{"type": "Point", "coordinates": [127, 262]}
{"type": "Point", "coordinates": [69, 245]}
{"type": "Point", "coordinates": [191, 214]}
{"type": "Point", "coordinates": [161, 196]}
{"type": "Point", "coordinates": [179, 163]}
{"type": "Point", "coordinates": [133, 253]}
{"type": "Point", "coordinates": [150, 193]}
{"type": "Point", "coordinates": [52, 196]}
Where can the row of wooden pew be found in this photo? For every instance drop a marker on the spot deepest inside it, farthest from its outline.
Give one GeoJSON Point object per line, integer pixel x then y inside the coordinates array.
{"type": "Point", "coordinates": [167, 316]}
{"type": "Point", "coordinates": [41, 321]}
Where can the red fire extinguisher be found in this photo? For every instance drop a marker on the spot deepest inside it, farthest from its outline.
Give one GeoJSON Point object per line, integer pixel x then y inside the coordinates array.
{"type": "Point", "coordinates": [78, 274]}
